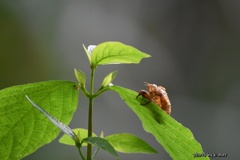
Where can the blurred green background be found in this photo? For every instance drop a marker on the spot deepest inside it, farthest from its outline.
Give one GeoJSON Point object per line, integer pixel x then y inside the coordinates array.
{"type": "Point", "coordinates": [195, 48]}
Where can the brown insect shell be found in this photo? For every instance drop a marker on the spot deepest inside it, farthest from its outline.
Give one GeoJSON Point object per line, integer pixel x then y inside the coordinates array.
{"type": "Point", "coordinates": [151, 89]}
{"type": "Point", "coordinates": [158, 95]}
{"type": "Point", "coordinates": [144, 94]}
{"type": "Point", "coordinates": [165, 102]}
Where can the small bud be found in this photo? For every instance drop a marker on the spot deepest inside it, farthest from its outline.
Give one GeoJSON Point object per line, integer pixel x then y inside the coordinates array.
{"type": "Point", "coordinates": [91, 48]}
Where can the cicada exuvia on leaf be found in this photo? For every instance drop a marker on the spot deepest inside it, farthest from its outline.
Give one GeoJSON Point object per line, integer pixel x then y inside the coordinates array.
{"type": "Point", "coordinates": [157, 95]}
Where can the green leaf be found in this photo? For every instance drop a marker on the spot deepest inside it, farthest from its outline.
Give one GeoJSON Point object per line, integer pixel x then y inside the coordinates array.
{"type": "Point", "coordinates": [88, 54]}
{"type": "Point", "coordinates": [23, 128]}
{"type": "Point", "coordinates": [102, 144]}
{"type": "Point", "coordinates": [177, 140]}
{"type": "Point", "coordinates": [81, 77]}
{"type": "Point", "coordinates": [108, 79]}
{"type": "Point", "coordinates": [102, 135]}
{"type": "Point", "coordinates": [128, 143]}
{"type": "Point", "coordinates": [80, 132]}
{"type": "Point", "coordinates": [116, 53]}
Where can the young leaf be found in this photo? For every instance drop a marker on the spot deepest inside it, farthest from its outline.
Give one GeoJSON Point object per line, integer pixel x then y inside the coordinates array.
{"type": "Point", "coordinates": [23, 128]}
{"type": "Point", "coordinates": [102, 135]}
{"type": "Point", "coordinates": [101, 143]}
{"type": "Point", "coordinates": [108, 79]}
{"type": "Point", "coordinates": [116, 53]}
{"type": "Point", "coordinates": [65, 139]}
{"type": "Point", "coordinates": [128, 143]}
{"type": "Point", "coordinates": [177, 140]}
{"type": "Point", "coordinates": [88, 54]}
{"type": "Point", "coordinates": [81, 77]}
{"type": "Point", "coordinates": [64, 128]}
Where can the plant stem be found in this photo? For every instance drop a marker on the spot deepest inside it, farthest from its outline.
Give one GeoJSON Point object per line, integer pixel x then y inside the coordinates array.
{"type": "Point", "coordinates": [80, 152]}
{"type": "Point", "coordinates": [89, 146]}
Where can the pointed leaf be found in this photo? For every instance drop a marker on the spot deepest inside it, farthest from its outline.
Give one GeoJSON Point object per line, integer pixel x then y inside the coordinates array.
{"type": "Point", "coordinates": [23, 128]}
{"type": "Point", "coordinates": [81, 77]}
{"type": "Point", "coordinates": [108, 79]}
{"type": "Point", "coordinates": [103, 144]}
{"type": "Point", "coordinates": [177, 140]}
{"type": "Point", "coordinates": [88, 54]}
{"type": "Point", "coordinates": [128, 143]}
{"type": "Point", "coordinates": [102, 135]}
{"type": "Point", "coordinates": [65, 139]}
{"type": "Point", "coordinates": [116, 53]}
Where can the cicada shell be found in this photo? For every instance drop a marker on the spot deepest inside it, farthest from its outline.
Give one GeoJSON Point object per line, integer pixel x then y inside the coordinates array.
{"type": "Point", "coordinates": [157, 95]}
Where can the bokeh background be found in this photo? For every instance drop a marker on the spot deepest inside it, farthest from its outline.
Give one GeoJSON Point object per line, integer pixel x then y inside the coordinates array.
{"type": "Point", "coordinates": [195, 48]}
